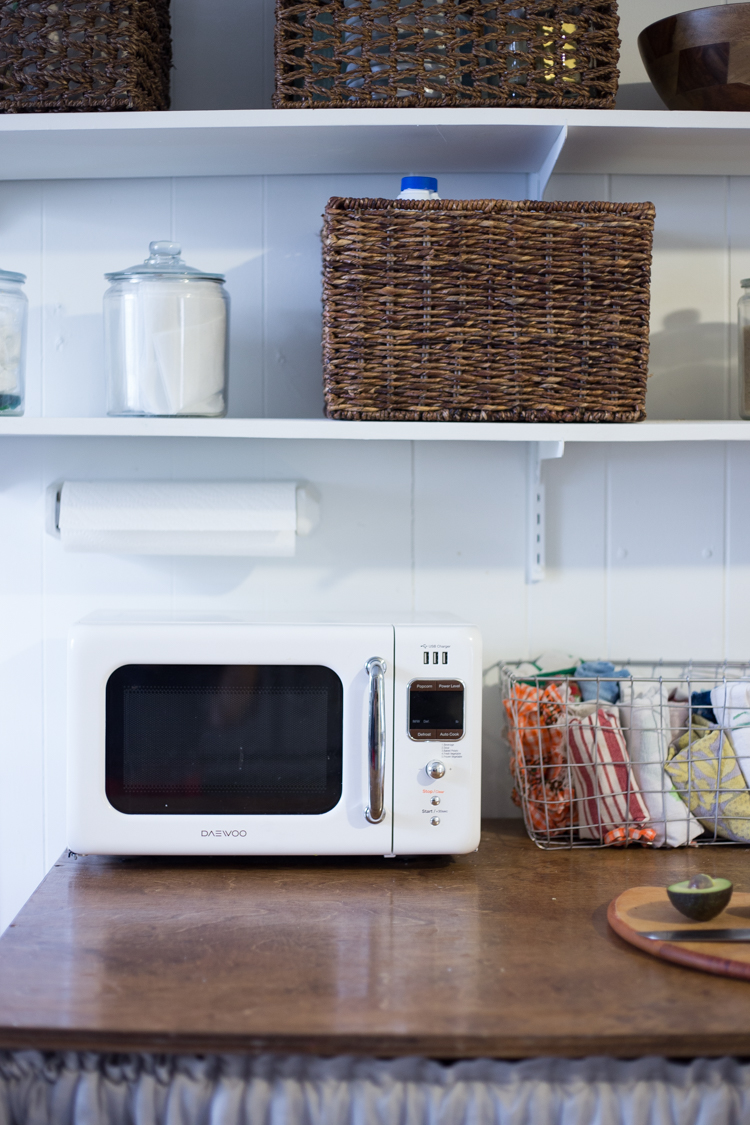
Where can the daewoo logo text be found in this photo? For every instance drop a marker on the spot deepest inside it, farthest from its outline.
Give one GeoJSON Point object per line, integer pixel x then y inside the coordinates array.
{"type": "Point", "coordinates": [223, 832]}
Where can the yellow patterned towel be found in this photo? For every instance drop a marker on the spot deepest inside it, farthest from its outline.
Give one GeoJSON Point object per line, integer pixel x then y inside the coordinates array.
{"type": "Point", "coordinates": [706, 774]}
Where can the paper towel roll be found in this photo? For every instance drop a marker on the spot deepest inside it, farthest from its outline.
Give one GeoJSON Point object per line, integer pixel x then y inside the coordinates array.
{"type": "Point", "coordinates": [183, 517]}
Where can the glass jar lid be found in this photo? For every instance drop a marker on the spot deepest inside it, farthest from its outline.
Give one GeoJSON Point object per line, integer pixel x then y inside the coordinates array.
{"type": "Point", "coordinates": [163, 261]}
{"type": "Point", "coordinates": [746, 283]}
{"type": "Point", "coordinates": [8, 275]}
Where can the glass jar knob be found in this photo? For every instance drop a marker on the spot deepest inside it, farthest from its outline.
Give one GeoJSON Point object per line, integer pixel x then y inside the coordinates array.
{"type": "Point", "coordinates": [164, 251]}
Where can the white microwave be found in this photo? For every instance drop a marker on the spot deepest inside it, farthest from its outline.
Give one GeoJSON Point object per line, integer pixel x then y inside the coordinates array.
{"type": "Point", "coordinates": [240, 736]}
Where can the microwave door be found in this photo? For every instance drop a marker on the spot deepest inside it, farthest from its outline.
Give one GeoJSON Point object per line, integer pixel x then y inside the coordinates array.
{"type": "Point", "coordinates": [224, 739]}
{"type": "Point", "coordinates": [288, 758]}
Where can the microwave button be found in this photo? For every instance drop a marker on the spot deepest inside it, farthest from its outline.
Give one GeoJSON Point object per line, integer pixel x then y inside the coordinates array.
{"type": "Point", "coordinates": [434, 800]}
{"type": "Point", "coordinates": [435, 820]}
{"type": "Point", "coordinates": [435, 770]}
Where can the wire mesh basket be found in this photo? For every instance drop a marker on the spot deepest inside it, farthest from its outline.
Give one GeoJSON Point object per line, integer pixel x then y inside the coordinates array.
{"type": "Point", "coordinates": [650, 753]}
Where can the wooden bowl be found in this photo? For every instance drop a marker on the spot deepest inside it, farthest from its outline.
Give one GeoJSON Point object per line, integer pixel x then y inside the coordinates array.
{"type": "Point", "coordinates": [700, 59]}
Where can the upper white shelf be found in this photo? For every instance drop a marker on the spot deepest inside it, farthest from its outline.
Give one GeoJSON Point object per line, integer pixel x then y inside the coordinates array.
{"type": "Point", "coordinates": [328, 430]}
{"type": "Point", "coordinates": [297, 141]}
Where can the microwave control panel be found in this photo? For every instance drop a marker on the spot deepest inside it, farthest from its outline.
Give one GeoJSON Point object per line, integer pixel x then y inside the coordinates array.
{"type": "Point", "coordinates": [436, 710]}
{"type": "Point", "coordinates": [437, 739]}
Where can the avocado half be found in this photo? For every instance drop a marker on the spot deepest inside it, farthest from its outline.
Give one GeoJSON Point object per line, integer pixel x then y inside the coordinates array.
{"type": "Point", "coordinates": [700, 898]}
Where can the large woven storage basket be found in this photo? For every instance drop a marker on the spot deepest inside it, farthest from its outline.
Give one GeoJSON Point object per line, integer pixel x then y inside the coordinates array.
{"type": "Point", "coordinates": [486, 310]}
{"type": "Point", "coordinates": [446, 53]}
{"type": "Point", "coordinates": [68, 55]}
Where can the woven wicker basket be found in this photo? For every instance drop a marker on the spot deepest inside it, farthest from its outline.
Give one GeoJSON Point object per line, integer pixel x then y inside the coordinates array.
{"type": "Point", "coordinates": [438, 53]}
{"type": "Point", "coordinates": [68, 55]}
{"type": "Point", "coordinates": [486, 310]}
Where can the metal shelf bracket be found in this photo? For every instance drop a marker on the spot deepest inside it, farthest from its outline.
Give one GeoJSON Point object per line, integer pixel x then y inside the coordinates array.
{"type": "Point", "coordinates": [537, 451]}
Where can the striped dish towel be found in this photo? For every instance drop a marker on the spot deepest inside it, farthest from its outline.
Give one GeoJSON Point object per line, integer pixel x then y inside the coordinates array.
{"type": "Point", "coordinates": [610, 805]}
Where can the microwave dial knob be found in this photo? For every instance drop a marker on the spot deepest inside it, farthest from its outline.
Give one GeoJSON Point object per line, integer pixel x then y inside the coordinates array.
{"type": "Point", "coordinates": [435, 770]}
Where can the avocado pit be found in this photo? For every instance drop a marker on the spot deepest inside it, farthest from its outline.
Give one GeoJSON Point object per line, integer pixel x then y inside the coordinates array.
{"type": "Point", "coordinates": [701, 898]}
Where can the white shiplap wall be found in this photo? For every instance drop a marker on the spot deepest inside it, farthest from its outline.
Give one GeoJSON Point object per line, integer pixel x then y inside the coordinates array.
{"type": "Point", "coordinates": [648, 546]}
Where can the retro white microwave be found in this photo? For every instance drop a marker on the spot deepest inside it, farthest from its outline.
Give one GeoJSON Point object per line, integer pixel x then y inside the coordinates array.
{"type": "Point", "coordinates": [238, 736]}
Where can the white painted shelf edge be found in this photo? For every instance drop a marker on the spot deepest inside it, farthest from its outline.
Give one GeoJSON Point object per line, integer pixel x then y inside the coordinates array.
{"type": "Point", "coordinates": [323, 429]}
{"type": "Point", "coordinates": [343, 141]}
{"type": "Point", "coordinates": [327, 118]}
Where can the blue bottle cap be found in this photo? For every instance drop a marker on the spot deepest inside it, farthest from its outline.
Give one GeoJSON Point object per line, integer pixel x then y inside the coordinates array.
{"type": "Point", "coordinates": [421, 183]}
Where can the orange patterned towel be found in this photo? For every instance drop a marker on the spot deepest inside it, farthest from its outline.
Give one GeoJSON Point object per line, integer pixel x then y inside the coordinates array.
{"type": "Point", "coordinates": [538, 756]}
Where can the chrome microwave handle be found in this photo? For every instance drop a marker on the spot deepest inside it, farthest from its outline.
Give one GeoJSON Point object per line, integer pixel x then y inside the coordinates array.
{"type": "Point", "coordinates": [375, 668]}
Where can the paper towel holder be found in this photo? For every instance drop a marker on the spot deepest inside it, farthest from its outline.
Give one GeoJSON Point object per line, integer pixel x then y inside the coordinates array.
{"type": "Point", "coordinates": [307, 507]}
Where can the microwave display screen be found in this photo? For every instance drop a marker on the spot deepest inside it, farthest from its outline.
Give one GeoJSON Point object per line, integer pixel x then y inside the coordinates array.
{"type": "Point", "coordinates": [436, 709]}
{"type": "Point", "coordinates": [224, 738]}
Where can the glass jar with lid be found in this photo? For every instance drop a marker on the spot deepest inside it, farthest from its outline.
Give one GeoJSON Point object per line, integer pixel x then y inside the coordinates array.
{"type": "Point", "coordinates": [165, 338]}
{"type": "Point", "coordinates": [13, 319]}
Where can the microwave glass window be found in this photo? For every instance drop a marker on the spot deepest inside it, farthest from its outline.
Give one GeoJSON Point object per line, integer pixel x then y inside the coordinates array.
{"type": "Point", "coordinates": [436, 709]}
{"type": "Point", "coordinates": [224, 738]}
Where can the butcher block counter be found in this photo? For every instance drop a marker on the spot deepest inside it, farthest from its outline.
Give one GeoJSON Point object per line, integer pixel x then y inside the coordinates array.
{"type": "Point", "coordinates": [503, 953]}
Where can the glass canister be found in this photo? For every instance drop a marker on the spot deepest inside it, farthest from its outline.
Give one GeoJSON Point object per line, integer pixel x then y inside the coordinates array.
{"type": "Point", "coordinates": [743, 348]}
{"type": "Point", "coordinates": [13, 317]}
{"type": "Point", "coordinates": [166, 338]}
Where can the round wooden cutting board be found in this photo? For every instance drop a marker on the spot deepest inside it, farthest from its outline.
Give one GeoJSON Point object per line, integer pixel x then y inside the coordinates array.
{"type": "Point", "coordinates": [648, 908]}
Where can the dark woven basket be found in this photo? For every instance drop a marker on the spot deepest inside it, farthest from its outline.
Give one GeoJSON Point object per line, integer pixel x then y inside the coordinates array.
{"type": "Point", "coordinates": [68, 55]}
{"type": "Point", "coordinates": [446, 53]}
{"type": "Point", "coordinates": [486, 310]}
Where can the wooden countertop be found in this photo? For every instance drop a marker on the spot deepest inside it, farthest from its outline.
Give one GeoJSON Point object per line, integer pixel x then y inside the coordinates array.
{"type": "Point", "coordinates": [502, 953]}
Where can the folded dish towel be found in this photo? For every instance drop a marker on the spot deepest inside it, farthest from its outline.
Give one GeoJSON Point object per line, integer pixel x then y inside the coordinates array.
{"type": "Point", "coordinates": [549, 664]}
{"type": "Point", "coordinates": [704, 768]}
{"type": "Point", "coordinates": [603, 690]}
{"type": "Point", "coordinates": [731, 704]}
{"type": "Point", "coordinates": [679, 711]}
{"type": "Point", "coordinates": [610, 806]}
{"type": "Point", "coordinates": [646, 718]}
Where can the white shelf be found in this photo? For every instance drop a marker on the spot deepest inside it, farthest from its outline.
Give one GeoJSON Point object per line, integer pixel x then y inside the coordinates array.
{"type": "Point", "coordinates": [338, 141]}
{"type": "Point", "coordinates": [328, 430]}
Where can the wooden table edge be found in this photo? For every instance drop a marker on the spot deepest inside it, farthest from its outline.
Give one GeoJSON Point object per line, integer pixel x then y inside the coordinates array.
{"type": "Point", "coordinates": [678, 954]}
{"type": "Point", "coordinates": [687, 1046]}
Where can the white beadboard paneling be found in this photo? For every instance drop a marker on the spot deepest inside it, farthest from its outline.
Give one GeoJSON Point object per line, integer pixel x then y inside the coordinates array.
{"type": "Point", "coordinates": [473, 187]}
{"type": "Point", "coordinates": [91, 227]}
{"type": "Point", "coordinates": [567, 611]}
{"type": "Point", "coordinates": [738, 235]}
{"type": "Point", "coordinates": [737, 573]}
{"type": "Point", "coordinates": [292, 309]}
{"type": "Point", "coordinates": [690, 327]}
{"type": "Point", "coordinates": [219, 223]}
{"type": "Point", "coordinates": [222, 54]}
{"type": "Point", "coordinates": [591, 186]}
{"type": "Point", "coordinates": [358, 559]}
{"type": "Point", "coordinates": [22, 688]}
{"type": "Point", "coordinates": [469, 527]}
{"type": "Point", "coordinates": [21, 251]}
{"type": "Point", "coordinates": [666, 552]}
